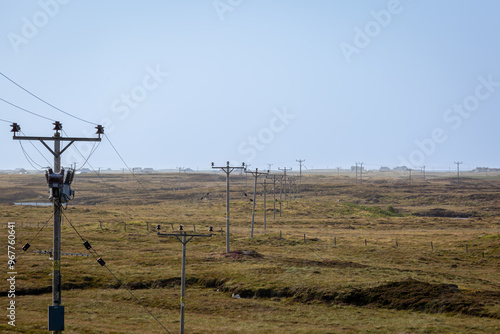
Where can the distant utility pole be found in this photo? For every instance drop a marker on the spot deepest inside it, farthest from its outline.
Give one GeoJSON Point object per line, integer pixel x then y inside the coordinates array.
{"type": "Point", "coordinates": [179, 178]}
{"type": "Point", "coordinates": [361, 173]}
{"type": "Point", "coordinates": [409, 169]}
{"type": "Point", "coordinates": [182, 236]}
{"type": "Point", "coordinates": [269, 167]}
{"type": "Point", "coordinates": [274, 197]}
{"type": "Point", "coordinates": [255, 174]}
{"type": "Point", "coordinates": [246, 179]}
{"type": "Point", "coordinates": [227, 169]}
{"type": "Point", "coordinates": [265, 193]}
{"type": "Point", "coordinates": [338, 172]}
{"type": "Point", "coordinates": [458, 171]}
{"type": "Point", "coordinates": [423, 171]}
{"type": "Point", "coordinates": [356, 180]}
{"type": "Point", "coordinates": [60, 193]}
{"type": "Point", "coordinates": [281, 190]}
{"type": "Point", "coordinates": [300, 172]}
{"type": "Point", "coordinates": [284, 169]}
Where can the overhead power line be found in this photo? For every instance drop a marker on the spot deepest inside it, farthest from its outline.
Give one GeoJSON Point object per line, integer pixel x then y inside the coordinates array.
{"type": "Point", "coordinates": [3, 120]}
{"type": "Point", "coordinates": [99, 260]}
{"type": "Point", "coordinates": [47, 103]}
{"type": "Point", "coordinates": [26, 110]}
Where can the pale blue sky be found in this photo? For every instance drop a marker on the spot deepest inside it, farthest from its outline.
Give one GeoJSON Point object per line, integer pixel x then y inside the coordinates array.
{"type": "Point", "coordinates": [235, 68]}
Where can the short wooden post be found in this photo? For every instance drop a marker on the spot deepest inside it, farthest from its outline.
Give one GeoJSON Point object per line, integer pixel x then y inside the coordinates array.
{"type": "Point", "coordinates": [147, 226]}
{"type": "Point", "coordinates": [172, 225]}
{"type": "Point", "coordinates": [397, 244]}
{"type": "Point", "coordinates": [304, 238]}
{"type": "Point", "coordinates": [466, 249]}
{"type": "Point", "coordinates": [335, 241]}
{"type": "Point", "coordinates": [432, 246]}
{"type": "Point", "coordinates": [483, 254]}
{"type": "Point", "coordinates": [280, 235]}
{"type": "Point", "coordinates": [194, 227]}
{"type": "Point", "coordinates": [365, 242]}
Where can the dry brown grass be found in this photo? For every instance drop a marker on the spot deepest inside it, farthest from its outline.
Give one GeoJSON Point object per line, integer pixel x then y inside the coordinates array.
{"type": "Point", "coordinates": [292, 286]}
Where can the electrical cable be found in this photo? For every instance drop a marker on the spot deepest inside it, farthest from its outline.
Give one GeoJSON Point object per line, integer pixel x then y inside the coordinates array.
{"type": "Point", "coordinates": [3, 120]}
{"type": "Point", "coordinates": [102, 180]}
{"type": "Point", "coordinates": [96, 256]}
{"type": "Point", "coordinates": [29, 243]}
{"type": "Point", "coordinates": [26, 110]}
{"type": "Point", "coordinates": [36, 148]}
{"type": "Point", "coordinates": [47, 103]}
{"type": "Point", "coordinates": [29, 159]}
{"type": "Point", "coordinates": [92, 151]}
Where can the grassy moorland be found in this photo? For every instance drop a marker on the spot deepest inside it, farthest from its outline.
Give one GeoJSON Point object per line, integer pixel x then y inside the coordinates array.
{"type": "Point", "coordinates": [383, 256]}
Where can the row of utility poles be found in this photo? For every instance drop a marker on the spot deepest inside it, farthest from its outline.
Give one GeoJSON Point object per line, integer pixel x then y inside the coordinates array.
{"type": "Point", "coordinates": [290, 192]}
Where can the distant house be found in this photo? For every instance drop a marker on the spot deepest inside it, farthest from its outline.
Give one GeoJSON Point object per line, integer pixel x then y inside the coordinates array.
{"type": "Point", "coordinates": [137, 170]}
{"type": "Point", "coordinates": [485, 170]}
{"type": "Point", "coordinates": [148, 170]}
{"type": "Point", "coordinates": [384, 169]}
{"type": "Point", "coordinates": [400, 169]}
{"type": "Point", "coordinates": [21, 171]}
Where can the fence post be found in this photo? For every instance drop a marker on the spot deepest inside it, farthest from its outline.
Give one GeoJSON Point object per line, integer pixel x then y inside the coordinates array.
{"type": "Point", "coordinates": [335, 241]}
{"type": "Point", "coordinates": [432, 246]}
{"type": "Point", "coordinates": [365, 242]}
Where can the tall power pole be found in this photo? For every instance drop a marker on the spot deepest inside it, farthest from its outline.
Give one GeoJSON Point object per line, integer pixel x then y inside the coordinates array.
{"type": "Point", "coordinates": [255, 174]}
{"type": "Point", "coordinates": [274, 197]}
{"type": "Point", "coordinates": [423, 171]}
{"type": "Point", "coordinates": [60, 193]}
{"type": "Point", "coordinates": [458, 171]}
{"type": "Point", "coordinates": [183, 238]}
{"type": "Point", "coordinates": [361, 173]}
{"type": "Point", "coordinates": [356, 180]}
{"type": "Point", "coordinates": [300, 161]}
{"type": "Point", "coordinates": [284, 169]}
{"type": "Point", "coordinates": [264, 184]}
{"type": "Point", "coordinates": [227, 169]}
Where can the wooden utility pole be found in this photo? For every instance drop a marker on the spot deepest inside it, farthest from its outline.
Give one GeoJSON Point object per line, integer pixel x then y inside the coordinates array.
{"type": "Point", "coordinates": [255, 174]}
{"type": "Point", "coordinates": [300, 161]}
{"type": "Point", "coordinates": [228, 169]}
{"type": "Point", "coordinates": [265, 193]}
{"type": "Point", "coordinates": [60, 193]}
{"type": "Point", "coordinates": [356, 181]}
{"type": "Point", "coordinates": [184, 238]}
{"type": "Point", "coordinates": [274, 197]}
{"type": "Point", "coordinates": [284, 174]}
{"type": "Point", "coordinates": [458, 171]}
